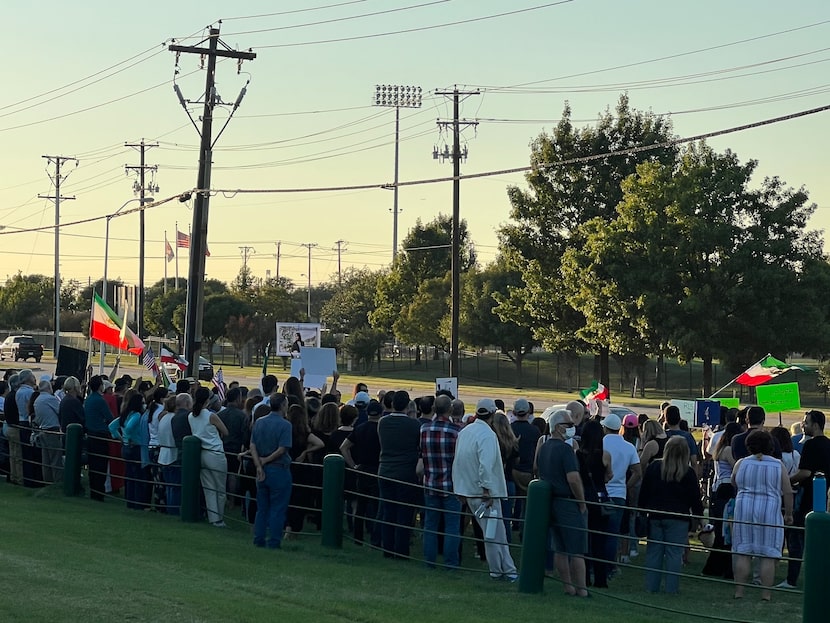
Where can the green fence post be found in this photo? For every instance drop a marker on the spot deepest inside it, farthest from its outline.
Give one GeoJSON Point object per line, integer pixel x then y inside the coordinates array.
{"type": "Point", "coordinates": [191, 484]}
{"type": "Point", "coordinates": [334, 470]}
{"type": "Point", "coordinates": [816, 566]}
{"type": "Point", "coordinates": [74, 440]}
{"type": "Point", "coordinates": [534, 543]}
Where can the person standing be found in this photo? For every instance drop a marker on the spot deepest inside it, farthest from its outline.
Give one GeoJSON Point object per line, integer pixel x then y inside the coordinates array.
{"type": "Point", "coordinates": [238, 437]}
{"type": "Point", "coordinates": [522, 471]}
{"type": "Point", "coordinates": [271, 440]}
{"type": "Point", "coordinates": [478, 478]}
{"type": "Point", "coordinates": [209, 429]}
{"type": "Point", "coordinates": [558, 466]}
{"type": "Point", "coordinates": [169, 461]}
{"type": "Point", "coordinates": [361, 451]}
{"type": "Point", "coordinates": [669, 493]}
{"type": "Point", "coordinates": [71, 409]}
{"type": "Point", "coordinates": [400, 448]}
{"type": "Point", "coordinates": [97, 416]}
{"type": "Point", "coordinates": [47, 408]}
{"type": "Point", "coordinates": [438, 439]}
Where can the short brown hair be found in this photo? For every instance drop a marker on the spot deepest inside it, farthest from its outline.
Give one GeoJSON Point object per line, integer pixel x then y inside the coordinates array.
{"type": "Point", "coordinates": [759, 442]}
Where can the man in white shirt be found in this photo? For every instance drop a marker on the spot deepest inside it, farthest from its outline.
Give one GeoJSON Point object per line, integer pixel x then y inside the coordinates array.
{"type": "Point", "coordinates": [627, 473]}
{"type": "Point", "coordinates": [478, 478]}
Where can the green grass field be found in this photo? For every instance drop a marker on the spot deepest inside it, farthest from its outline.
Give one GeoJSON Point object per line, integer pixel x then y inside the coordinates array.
{"type": "Point", "coordinates": [69, 559]}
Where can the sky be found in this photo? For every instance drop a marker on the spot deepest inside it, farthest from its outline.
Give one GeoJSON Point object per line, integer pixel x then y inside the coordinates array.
{"type": "Point", "coordinates": [82, 79]}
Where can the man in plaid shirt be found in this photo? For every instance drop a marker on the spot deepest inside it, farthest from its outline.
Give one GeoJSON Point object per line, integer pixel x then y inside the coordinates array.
{"type": "Point", "coordinates": [438, 450]}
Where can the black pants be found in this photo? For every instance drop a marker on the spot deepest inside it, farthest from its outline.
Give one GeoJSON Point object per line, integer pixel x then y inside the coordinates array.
{"type": "Point", "coordinates": [366, 511]}
{"type": "Point", "coordinates": [98, 454]}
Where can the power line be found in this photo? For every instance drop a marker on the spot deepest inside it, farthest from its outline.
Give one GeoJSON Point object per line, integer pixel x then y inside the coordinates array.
{"type": "Point", "coordinates": [291, 12]}
{"type": "Point", "coordinates": [417, 29]}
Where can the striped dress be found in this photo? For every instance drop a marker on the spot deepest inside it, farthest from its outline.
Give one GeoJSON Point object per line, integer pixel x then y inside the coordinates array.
{"type": "Point", "coordinates": [758, 528]}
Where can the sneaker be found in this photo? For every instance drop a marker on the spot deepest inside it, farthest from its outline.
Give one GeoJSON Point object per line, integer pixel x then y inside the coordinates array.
{"type": "Point", "coordinates": [785, 584]}
{"type": "Point", "coordinates": [510, 577]}
{"type": "Point", "coordinates": [220, 524]}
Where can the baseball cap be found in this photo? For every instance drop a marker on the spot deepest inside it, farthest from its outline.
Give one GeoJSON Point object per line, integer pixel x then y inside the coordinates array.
{"type": "Point", "coordinates": [631, 421]}
{"type": "Point", "coordinates": [612, 422]}
{"type": "Point", "coordinates": [485, 406]}
{"type": "Point", "coordinates": [520, 407]}
{"type": "Point", "coordinates": [361, 398]}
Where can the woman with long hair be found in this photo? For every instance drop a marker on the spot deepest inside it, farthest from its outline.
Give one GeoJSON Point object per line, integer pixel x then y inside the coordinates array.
{"type": "Point", "coordinates": [670, 493]}
{"type": "Point", "coordinates": [652, 442]}
{"type": "Point", "coordinates": [126, 428]}
{"type": "Point", "coordinates": [303, 444]}
{"type": "Point", "coordinates": [155, 409]}
{"type": "Point", "coordinates": [758, 526]}
{"type": "Point", "coordinates": [595, 470]}
{"type": "Point", "coordinates": [207, 426]}
{"type": "Point", "coordinates": [509, 448]}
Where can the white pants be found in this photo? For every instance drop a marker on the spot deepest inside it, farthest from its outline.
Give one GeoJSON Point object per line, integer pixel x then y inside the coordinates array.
{"type": "Point", "coordinates": [498, 551]}
{"type": "Point", "coordinates": [213, 475]}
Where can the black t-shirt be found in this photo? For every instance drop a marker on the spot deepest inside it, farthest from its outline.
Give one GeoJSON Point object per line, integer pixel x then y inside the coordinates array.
{"type": "Point", "coordinates": [11, 413]}
{"type": "Point", "coordinates": [528, 436]}
{"type": "Point", "coordinates": [815, 457]}
{"type": "Point", "coordinates": [400, 446]}
{"type": "Point", "coordinates": [366, 446]}
{"type": "Point", "coordinates": [236, 421]}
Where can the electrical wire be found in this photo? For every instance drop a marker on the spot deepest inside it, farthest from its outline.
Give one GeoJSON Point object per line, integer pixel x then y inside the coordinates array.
{"type": "Point", "coordinates": [291, 12]}
{"type": "Point", "coordinates": [379, 186]}
{"type": "Point", "coordinates": [417, 29]}
{"type": "Point", "coordinates": [340, 19]}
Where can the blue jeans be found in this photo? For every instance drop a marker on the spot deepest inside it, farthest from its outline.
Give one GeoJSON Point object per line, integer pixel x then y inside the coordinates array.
{"type": "Point", "coordinates": [173, 486]}
{"type": "Point", "coordinates": [133, 487]}
{"type": "Point", "coordinates": [398, 512]}
{"type": "Point", "coordinates": [450, 507]}
{"type": "Point", "coordinates": [663, 556]}
{"type": "Point", "coordinates": [272, 496]}
{"type": "Point", "coordinates": [613, 528]}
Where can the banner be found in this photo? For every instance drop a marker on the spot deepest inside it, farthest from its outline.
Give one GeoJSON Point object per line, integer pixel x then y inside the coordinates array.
{"type": "Point", "coordinates": [292, 336]}
{"type": "Point", "coordinates": [779, 397]}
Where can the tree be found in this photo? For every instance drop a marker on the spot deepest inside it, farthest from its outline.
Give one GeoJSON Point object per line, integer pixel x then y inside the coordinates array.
{"type": "Point", "coordinates": [362, 344]}
{"type": "Point", "coordinates": [240, 330]}
{"type": "Point", "coordinates": [564, 192]}
{"type": "Point", "coordinates": [349, 308]}
{"type": "Point", "coordinates": [27, 302]}
{"type": "Point", "coordinates": [424, 320]}
{"type": "Point", "coordinates": [480, 326]}
{"type": "Point", "coordinates": [218, 310]}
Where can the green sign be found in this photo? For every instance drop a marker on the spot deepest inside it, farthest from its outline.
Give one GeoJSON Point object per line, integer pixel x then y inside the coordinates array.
{"type": "Point", "coordinates": [730, 403]}
{"type": "Point", "coordinates": [779, 397]}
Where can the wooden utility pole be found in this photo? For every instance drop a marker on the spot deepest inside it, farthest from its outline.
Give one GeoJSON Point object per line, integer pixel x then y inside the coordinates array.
{"type": "Point", "coordinates": [198, 242]}
{"type": "Point", "coordinates": [456, 219]}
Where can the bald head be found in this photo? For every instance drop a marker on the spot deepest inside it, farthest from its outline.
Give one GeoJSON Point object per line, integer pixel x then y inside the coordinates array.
{"type": "Point", "coordinates": [577, 410]}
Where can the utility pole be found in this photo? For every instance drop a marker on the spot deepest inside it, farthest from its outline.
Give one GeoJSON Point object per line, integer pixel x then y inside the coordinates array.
{"type": "Point", "coordinates": [245, 251]}
{"type": "Point", "coordinates": [279, 243]}
{"type": "Point", "coordinates": [396, 96]}
{"type": "Point", "coordinates": [456, 217]}
{"type": "Point", "coordinates": [140, 188]}
{"type": "Point", "coordinates": [340, 249]}
{"type": "Point", "coordinates": [198, 242]}
{"type": "Point", "coordinates": [57, 178]}
{"type": "Point", "coordinates": [309, 246]}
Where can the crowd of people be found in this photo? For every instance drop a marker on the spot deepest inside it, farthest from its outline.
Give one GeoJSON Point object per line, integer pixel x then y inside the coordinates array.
{"type": "Point", "coordinates": [429, 460]}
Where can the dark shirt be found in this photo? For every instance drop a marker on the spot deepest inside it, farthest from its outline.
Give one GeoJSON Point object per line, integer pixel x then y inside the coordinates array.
{"type": "Point", "coordinates": [438, 439]}
{"type": "Point", "coordinates": [693, 451]}
{"type": "Point", "coordinates": [271, 432]}
{"type": "Point", "coordinates": [180, 427]}
{"type": "Point", "coordinates": [739, 450]}
{"type": "Point", "coordinates": [528, 435]}
{"type": "Point", "coordinates": [337, 438]}
{"type": "Point", "coordinates": [365, 448]}
{"type": "Point", "coordinates": [681, 497]}
{"type": "Point", "coordinates": [400, 446]}
{"type": "Point", "coordinates": [236, 421]}
{"type": "Point", "coordinates": [11, 413]}
{"type": "Point", "coordinates": [362, 416]}
{"type": "Point", "coordinates": [556, 461]}
{"type": "Point", "coordinates": [815, 457]}
{"type": "Point", "coordinates": [97, 415]}
{"type": "Point", "coordinates": [71, 411]}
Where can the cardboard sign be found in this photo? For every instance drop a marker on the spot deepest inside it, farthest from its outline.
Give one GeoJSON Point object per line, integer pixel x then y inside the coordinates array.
{"type": "Point", "coordinates": [730, 403]}
{"type": "Point", "coordinates": [779, 397]}
{"type": "Point", "coordinates": [687, 410]}
{"type": "Point", "coordinates": [707, 413]}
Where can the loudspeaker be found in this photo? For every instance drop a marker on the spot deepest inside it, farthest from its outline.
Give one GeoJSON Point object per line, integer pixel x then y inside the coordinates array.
{"type": "Point", "coordinates": [72, 362]}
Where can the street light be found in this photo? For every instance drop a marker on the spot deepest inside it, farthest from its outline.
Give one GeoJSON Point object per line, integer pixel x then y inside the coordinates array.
{"type": "Point", "coordinates": [109, 217]}
{"type": "Point", "coordinates": [396, 96]}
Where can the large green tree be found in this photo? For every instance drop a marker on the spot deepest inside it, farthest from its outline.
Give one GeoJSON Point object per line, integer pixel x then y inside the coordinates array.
{"type": "Point", "coordinates": [570, 183]}
{"type": "Point", "coordinates": [349, 308]}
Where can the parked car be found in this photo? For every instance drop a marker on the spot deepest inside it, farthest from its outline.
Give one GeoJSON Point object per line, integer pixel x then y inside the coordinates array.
{"type": "Point", "coordinates": [17, 347]}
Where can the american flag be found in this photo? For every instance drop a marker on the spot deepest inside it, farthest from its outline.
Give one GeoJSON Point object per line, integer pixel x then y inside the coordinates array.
{"type": "Point", "coordinates": [219, 383]}
{"type": "Point", "coordinates": [149, 360]}
{"type": "Point", "coordinates": [182, 240]}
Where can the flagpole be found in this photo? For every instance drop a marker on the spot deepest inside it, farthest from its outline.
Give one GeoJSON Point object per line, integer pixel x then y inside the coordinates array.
{"type": "Point", "coordinates": [165, 261]}
{"type": "Point", "coordinates": [177, 255]}
{"type": "Point", "coordinates": [736, 378]}
{"type": "Point", "coordinates": [91, 312]}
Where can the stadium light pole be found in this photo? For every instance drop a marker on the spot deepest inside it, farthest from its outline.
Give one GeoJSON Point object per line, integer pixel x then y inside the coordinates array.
{"type": "Point", "coordinates": [109, 217]}
{"type": "Point", "coordinates": [396, 96]}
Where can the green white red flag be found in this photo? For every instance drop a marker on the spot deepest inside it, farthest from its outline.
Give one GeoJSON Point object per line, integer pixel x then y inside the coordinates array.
{"type": "Point", "coordinates": [108, 328]}
{"type": "Point", "coordinates": [597, 391]}
{"type": "Point", "coordinates": [765, 370]}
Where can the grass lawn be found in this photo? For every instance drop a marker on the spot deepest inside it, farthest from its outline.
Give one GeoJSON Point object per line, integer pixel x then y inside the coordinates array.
{"type": "Point", "coordinates": [69, 559]}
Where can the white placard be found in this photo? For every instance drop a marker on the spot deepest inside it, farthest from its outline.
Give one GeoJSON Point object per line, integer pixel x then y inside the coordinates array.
{"type": "Point", "coordinates": [449, 383]}
{"type": "Point", "coordinates": [687, 410]}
